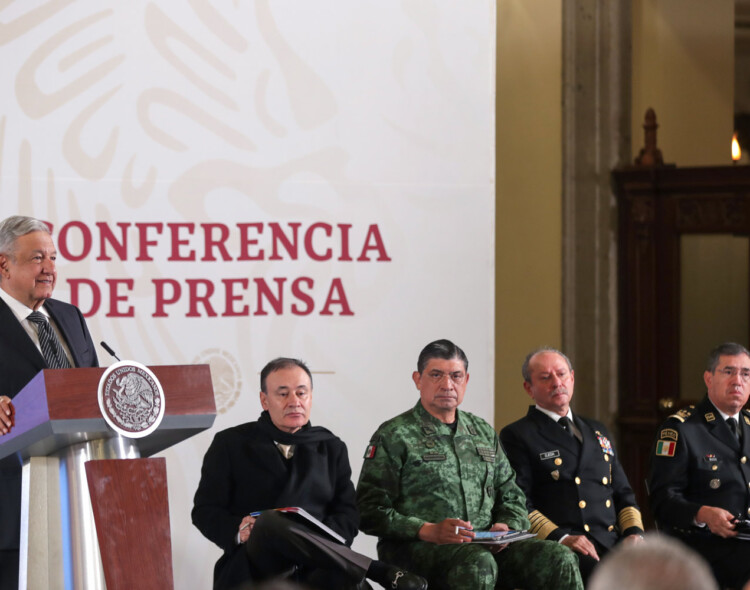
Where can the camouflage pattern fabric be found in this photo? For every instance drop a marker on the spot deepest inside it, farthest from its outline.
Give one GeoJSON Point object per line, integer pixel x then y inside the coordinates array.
{"type": "Point", "coordinates": [418, 470]}
{"type": "Point", "coordinates": [532, 564]}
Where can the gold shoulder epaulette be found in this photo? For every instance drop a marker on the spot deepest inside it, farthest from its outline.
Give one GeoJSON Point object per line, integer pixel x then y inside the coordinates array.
{"type": "Point", "coordinates": [683, 414]}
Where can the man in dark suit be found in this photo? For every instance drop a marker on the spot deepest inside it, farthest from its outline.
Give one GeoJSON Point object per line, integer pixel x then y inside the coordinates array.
{"type": "Point", "coordinates": [283, 461]}
{"type": "Point", "coordinates": [27, 313]}
{"type": "Point", "coordinates": [576, 490]}
{"type": "Point", "coordinates": [700, 473]}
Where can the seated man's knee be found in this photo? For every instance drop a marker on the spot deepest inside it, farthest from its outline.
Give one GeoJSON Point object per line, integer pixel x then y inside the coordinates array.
{"type": "Point", "coordinates": [562, 555]}
{"type": "Point", "coordinates": [268, 526]}
{"type": "Point", "coordinates": [565, 556]}
{"type": "Point", "coordinates": [265, 521]}
{"type": "Point", "coordinates": [564, 559]}
{"type": "Point", "coordinates": [539, 565]}
{"type": "Point", "coordinates": [476, 569]}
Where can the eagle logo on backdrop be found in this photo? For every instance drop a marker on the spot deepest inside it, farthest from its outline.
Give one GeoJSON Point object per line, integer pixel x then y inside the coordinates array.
{"type": "Point", "coordinates": [131, 399]}
{"type": "Point", "coordinates": [226, 377]}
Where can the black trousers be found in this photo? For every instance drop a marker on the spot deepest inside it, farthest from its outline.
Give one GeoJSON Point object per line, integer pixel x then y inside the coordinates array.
{"type": "Point", "coordinates": [278, 546]}
{"type": "Point", "coordinates": [729, 559]}
{"type": "Point", "coordinates": [586, 563]}
{"type": "Point", "coordinates": [9, 569]}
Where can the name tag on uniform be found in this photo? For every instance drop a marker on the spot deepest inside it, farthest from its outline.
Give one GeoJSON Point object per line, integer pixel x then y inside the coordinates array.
{"type": "Point", "coordinates": [549, 455]}
{"type": "Point", "coordinates": [433, 457]}
{"type": "Point", "coordinates": [486, 453]}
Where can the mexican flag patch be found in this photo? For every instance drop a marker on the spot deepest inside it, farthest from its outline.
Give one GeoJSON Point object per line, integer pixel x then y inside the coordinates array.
{"type": "Point", "coordinates": [665, 448]}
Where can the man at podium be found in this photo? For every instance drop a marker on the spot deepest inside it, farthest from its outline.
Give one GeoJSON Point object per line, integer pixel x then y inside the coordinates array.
{"type": "Point", "coordinates": [283, 461]}
{"type": "Point", "coordinates": [36, 332]}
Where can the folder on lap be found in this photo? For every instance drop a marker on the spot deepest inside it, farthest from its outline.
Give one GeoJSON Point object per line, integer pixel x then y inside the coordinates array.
{"type": "Point", "coordinates": [306, 517]}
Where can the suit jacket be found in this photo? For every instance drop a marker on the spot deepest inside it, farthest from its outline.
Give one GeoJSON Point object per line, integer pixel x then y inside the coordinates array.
{"type": "Point", "coordinates": [571, 488]}
{"type": "Point", "coordinates": [243, 472]}
{"type": "Point", "coordinates": [20, 360]}
{"type": "Point", "coordinates": [697, 461]}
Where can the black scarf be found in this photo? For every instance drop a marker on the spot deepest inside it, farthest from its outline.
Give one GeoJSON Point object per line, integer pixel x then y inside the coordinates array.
{"type": "Point", "coordinates": [306, 434]}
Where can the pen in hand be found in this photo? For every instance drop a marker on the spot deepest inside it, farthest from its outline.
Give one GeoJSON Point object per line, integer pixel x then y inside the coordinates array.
{"type": "Point", "coordinates": [247, 524]}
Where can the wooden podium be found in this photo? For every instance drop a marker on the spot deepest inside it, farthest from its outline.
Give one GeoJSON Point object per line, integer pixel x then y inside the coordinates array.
{"type": "Point", "coordinates": [94, 509]}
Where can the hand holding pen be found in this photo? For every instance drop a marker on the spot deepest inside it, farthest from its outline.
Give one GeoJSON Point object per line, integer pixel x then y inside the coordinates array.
{"type": "Point", "coordinates": [246, 526]}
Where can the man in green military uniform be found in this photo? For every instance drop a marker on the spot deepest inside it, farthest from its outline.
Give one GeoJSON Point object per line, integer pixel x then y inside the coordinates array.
{"type": "Point", "coordinates": [434, 475]}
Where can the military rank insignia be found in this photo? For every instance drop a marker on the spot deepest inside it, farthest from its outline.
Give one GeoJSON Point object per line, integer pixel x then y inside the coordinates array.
{"type": "Point", "coordinates": [370, 452]}
{"type": "Point", "coordinates": [604, 443]}
{"type": "Point", "coordinates": [683, 414]}
{"type": "Point", "coordinates": [665, 448]}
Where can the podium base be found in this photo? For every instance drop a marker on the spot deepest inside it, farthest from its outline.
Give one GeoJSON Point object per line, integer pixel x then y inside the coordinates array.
{"type": "Point", "coordinates": [59, 547]}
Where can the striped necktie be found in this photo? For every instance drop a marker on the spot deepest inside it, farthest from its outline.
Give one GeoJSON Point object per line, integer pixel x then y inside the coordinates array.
{"type": "Point", "coordinates": [52, 350]}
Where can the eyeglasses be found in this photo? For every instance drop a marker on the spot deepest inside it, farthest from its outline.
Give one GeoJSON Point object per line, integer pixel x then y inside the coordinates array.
{"type": "Point", "coordinates": [730, 372]}
{"type": "Point", "coordinates": [458, 377]}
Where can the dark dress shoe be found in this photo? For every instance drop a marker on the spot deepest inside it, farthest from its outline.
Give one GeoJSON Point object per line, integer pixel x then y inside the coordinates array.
{"type": "Point", "coordinates": [399, 579]}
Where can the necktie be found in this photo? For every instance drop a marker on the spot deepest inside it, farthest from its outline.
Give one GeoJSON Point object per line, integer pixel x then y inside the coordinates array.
{"type": "Point", "coordinates": [52, 350]}
{"type": "Point", "coordinates": [566, 425]}
{"type": "Point", "coordinates": [734, 427]}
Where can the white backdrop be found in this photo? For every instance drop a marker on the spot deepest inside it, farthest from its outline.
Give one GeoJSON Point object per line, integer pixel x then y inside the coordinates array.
{"type": "Point", "coordinates": [233, 181]}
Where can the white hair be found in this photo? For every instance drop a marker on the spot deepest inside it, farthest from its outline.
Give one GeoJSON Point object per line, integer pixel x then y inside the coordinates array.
{"type": "Point", "coordinates": [658, 563]}
{"type": "Point", "coordinates": [16, 226]}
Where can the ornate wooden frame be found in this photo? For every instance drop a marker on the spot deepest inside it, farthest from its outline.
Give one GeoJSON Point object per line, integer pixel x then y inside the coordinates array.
{"type": "Point", "coordinates": [656, 206]}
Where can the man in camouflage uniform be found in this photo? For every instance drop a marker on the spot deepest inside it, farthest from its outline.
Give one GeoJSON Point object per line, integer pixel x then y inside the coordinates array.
{"type": "Point", "coordinates": [434, 475]}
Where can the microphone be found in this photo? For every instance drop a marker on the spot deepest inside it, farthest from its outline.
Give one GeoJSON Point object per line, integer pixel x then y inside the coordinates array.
{"type": "Point", "coordinates": [106, 347]}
